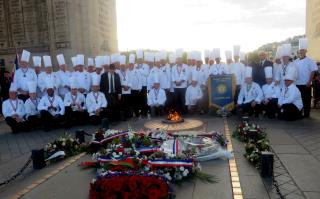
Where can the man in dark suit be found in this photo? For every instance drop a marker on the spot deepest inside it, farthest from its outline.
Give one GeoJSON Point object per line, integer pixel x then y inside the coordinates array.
{"type": "Point", "coordinates": [110, 85]}
{"type": "Point", "coordinates": [258, 75]}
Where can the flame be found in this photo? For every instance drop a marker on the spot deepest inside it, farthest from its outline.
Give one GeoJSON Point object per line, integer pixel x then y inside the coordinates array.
{"type": "Point", "coordinates": [174, 116]}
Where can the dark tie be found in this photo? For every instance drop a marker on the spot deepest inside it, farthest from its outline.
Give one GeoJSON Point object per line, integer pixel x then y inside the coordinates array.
{"type": "Point", "coordinates": [111, 84]}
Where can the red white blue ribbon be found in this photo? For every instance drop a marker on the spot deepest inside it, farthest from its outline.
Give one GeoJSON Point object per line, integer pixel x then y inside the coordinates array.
{"type": "Point", "coordinates": [110, 138]}
{"type": "Point", "coordinates": [148, 149]}
{"type": "Point", "coordinates": [171, 163]}
{"type": "Point", "coordinates": [176, 146]}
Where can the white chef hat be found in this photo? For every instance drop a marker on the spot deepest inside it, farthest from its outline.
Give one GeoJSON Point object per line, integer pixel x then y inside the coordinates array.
{"type": "Point", "coordinates": [13, 87]}
{"type": "Point", "coordinates": [139, 53]}
{"type": "Point", "coordinates": [146, 55]}
{"type": "Point", "coordinates": [98, 61]}
{"type": "Point", "coordinates": [115, 57]}
{"type": "Point", "coordinates": [80, 59]}
{"type": "Point", "coordinates": [206, 53]}
{"type": "Point", "coordinates": [95, 79]}
{"type": "Point", "coordinates": [157, 57]}
{"type": "Point", "coordinates": [303, 43]}
{"type": "Point", "coordinates": [32, 86]}
{"type": "Point", "coordinates": [49, 84]}
{"type": "Point", "coordinates": [194, 77]}
{"type": "Point", "coordinates": [156, 79]}
{"type": "Point", "coordinates": [132, 58]}
{"type": "Point", "coordinates": [25, 56]}
{"type": "Point", "coordinates": [278, 53]}
{"type": "Point", "coordinates": [74, 61]}
{"type": "Point", "coordinates": [242, 56]}
{"type": "Point", "coordinates": [190, 55]}
{"type": "Point", "coordinates": [268, 72]}
{"type": "Point", "coordinates": [172, 58]}
{"type": "Point", "coordinates": [236, 50]}
{"type": "Point", "coordinates": [61, 60]}
{"type": "Point", "coordinates": [179, 53]}
{"type": "Point", "coordinates": [73, 83]}
{"type": "Point", "coordinates": [106, 60]}
{"type": "Point", "coordinates": [286, 50]}
{"type": "Point", "coordinates": [211, 55]}
{"type": "Point", "coordinates": [163, 55]}
{"type": "Point", "coordinates": [47, 61]}
{"type": "Point", "coordinates": [291, 74]}
{"type": "Point", "coordinates": [228, 54]}
{"type": "Point", "coordinates": [216, 53]}
{"type": "Point", "coordinates": [248, 71]}
{"type": "Point", "coordinates": [122, 59]}
{"type": "Point", "coordinates": [198, 56]}
{"type": "Point", "coordinates": [91, 61]}
{"type": "Point", "coordinates": [36, 61]}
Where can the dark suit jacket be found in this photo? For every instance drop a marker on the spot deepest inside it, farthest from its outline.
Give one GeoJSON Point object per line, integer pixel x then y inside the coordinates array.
{"type": "Point", "coordinates": [258, 75]}
{"type": "Point", "coordinates": [104, 83]}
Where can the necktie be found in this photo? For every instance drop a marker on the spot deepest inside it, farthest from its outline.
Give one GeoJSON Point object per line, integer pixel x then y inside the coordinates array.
{"type": "Point", "coordinates": [111, 84]}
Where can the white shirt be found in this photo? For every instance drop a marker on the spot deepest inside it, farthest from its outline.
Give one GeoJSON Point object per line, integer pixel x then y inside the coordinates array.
{"type": "Point", "coordinates": [64, 79]}
{"type": "Point", "coordinates": [271, 91]}
{"type": "Point", "coordinates": [238, 70]}
{"type": "Point", "coordinates": [156, 96]}
{"type": "Point", "coordinates": [219, 69]}
{"type": "Point", "coordinates": [54, 101]}
{"type": "Point", "coordinates": [95, 101]}
{"type": "Point", "coordinates": [144, 71]}
{"type": "Point", "coordinates": [13, 107]}
{"type": "Point", "coordinates": [111, 78]}
{"type": "Point", "coordinates": [200, 74]}
{"type": "Point", "coordinates": [78, 99]}
{"type": "Point", "coordinates": [275, 71]}
{"type": "Point", "coordinates": [193, 94]}
{"type": "Point", "coordinates": [249, 93]}
{"type": "Point", "coordinates": [180, 73]}
{"type": "Point", "coordinates": [83, 79]}
{"type": "Point", "coordinates": [291, 95]}
{"type": "Point", "coordinates": [135, 78]}
{"type": "Point", "coordinates": [44, 77]}
{"type": "Point", "coordinates": [305, 67]}
{"type": "Point", "coordinates": [31, 107]}
{"type": "Point", "coordinates": [165, 80]}
{"type": "Point", "coordinates": [23, 76]}
{"type": "Point", "coordinates": [125, 81]}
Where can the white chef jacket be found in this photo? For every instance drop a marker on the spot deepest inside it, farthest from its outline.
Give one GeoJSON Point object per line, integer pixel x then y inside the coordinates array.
{"type": "Point", "coordinates": [165, 80]}
{"type": "Point", "coordinates": [64, 79]}
{"type": "Point", "coordinates": [31, 107]}
{"type": "Point", "coordinates": [290, 95]}
{"type": "Point", "coordinates": [180, 73]}
{"type": "Point", "coordinates": [144, 71]}
{"type": "Point", "coordinates": [156, 96]}
{"type": "Point", "coordinates": [135, 78]}
{"type": "Point", "coordinates": [13, 107]}
{"type": "Point", "coordinates": [56, 102]}
{"type": "Point", "coordinates": [250, 93]}
{"type": "Point", "coordinates": [276, 70]}
{"type": "Point", "coordinates": [200, 74]}
{"type": "Point", "coordinates": [94, 101]}
{"type": "Point", "coordinates": [23, 76]}
{"type": "Point", "coordinates": [238, 69]}
{"type": "Point", "coordinates": [79, 98]}
{"type": "Point", "coordinates": [42, 81]}
{"type": "Point", "coordinates": [220, 69]}
{"type": "Point", "coordinates": [271, 91]}
{"type": "Point", "coordinates": [193, 94]}
{"type": "Point", "coordinates": [125, 81]}
{"type": "Point", "coordinates": [305, 67]}
{"type": "Point", "coordinates": [83, 79]}
{"type": "Point", "coordinates": [282, 71]}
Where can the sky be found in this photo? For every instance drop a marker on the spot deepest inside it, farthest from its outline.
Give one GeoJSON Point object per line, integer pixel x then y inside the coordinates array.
{"type": "Point", "coordinates": [207, 24]}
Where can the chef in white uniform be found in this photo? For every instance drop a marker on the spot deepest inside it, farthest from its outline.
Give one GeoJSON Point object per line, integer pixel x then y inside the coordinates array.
{"type": "Point", "coordinates": [90, 65]}
{"type": "Point", "coordinates": [48, 75]}
{"type": "Point", "coordinates": [96, 102]}
{"type": "Point", "coordinates": [271, 92]}
{"type": "Point", "coordinates": [75, 106]}
{"type": "Point", "coordinates": [31, 107]}
{"type": "Point", "coordinates": [37, 69]}
{"type": "Point", "coordinates": [23, 75]}
{"type": "Point", "coordinates": [125, 110]}
{"type": "Point", "coordinates": [51, 108]}
{"type": "Point", "coordinates": [156, 99]}
{"type": "Point", "coordinates": [218, 68]}
{"type": "Point", "coordinates": [64, 76]}
{"type": "Point", "coordinates": [155, 72]}
{"type": "Point", "coordinates": [193, 96]}
{"type": "Point", "coordinates": [290, 101]}
{"type": "Point", "coordinates": [13, 111]}
{"type": "Point", "coordinates": [250, 95]}
{"type": "Point", "coordinates": [82, 76]}
{"type": "Point", "coordinates": [277, 65]}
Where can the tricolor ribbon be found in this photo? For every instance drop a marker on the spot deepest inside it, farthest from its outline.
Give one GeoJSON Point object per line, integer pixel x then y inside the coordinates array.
{"type": "Point", "coordinates": [176, 146]}
{"type": "Point", "coordinates": [171, 163]}
{"type": "Point", "coordinates": [148, 149]}
{"type": "Point", "coordinates": [110, 138]}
